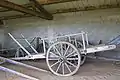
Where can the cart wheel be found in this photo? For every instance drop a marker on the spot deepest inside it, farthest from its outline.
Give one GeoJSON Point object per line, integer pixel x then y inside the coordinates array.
{"type": "Point", "coordinates": [60, 59]}
{"type": "Point", "coordinates": [83, 58]}
{"type": "Point", "coordinates": [78, 45]}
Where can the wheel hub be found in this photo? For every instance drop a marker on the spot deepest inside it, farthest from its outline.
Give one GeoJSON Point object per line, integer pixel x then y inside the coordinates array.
{"type": "Point", "coordinates": [63, 59]}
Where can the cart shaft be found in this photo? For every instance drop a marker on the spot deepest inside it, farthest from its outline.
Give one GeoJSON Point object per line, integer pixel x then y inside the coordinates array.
{"type": "Point", "coordinates": [98, 48]}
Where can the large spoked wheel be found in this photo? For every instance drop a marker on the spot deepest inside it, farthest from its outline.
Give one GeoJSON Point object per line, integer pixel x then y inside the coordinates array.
{"type": "Point", "coordinates": [63, 59]}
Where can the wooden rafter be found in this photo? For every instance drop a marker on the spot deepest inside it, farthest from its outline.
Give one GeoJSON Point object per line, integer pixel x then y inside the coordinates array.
{"type": "Point", "coordinates": [87, 8]}
{"type": "Point", "coordinates": [5, 9]}
{"type": "Point", "coordinates": [47, 2]}
{"type": "Point", "coordinates": [37, 5]}
{"type": "Point", "coordinates": [42, 2]}
{"type": "Point", "coordinates": [19, 8]}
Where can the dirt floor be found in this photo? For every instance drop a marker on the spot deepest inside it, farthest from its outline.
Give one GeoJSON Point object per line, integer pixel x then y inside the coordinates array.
{"type": "Point", "coordinates": [91, 70]}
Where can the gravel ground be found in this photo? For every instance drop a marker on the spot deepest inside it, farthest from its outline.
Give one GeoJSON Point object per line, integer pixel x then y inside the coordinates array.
{"type": "Point", "coordinates": [91, 70]}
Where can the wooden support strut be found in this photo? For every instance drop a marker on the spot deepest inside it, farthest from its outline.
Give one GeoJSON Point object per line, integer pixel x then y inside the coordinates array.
{"type": "Point", "coordinates": [16, 7]}
{"type": "Point", "coordinates": [40, 8]}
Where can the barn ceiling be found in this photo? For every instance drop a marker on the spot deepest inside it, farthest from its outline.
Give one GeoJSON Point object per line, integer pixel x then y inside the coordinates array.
{"type": "Point", "coordinates": [12, 9]}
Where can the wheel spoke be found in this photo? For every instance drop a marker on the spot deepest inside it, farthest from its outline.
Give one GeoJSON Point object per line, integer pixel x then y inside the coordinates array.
{"type": "Point", "coordinates": [71, 64]}
{"type": "Point", "coordinates": [68, 67]}
{"type": "Point", "coordinates": [54, 64]}
{"type": "Point", "coordinates": [72, 59]}
{"type": "Point", "coordinates": [58, 67]}
{"type": "Point", "coordinates": [54, 54]}
{"type": "Point", "coordinates": [71, 53]}
{"type": "Point", "coordinates": [61, 49]}
{"type": "Point", "coordinates": [53, 58]}
{"type": "Point", "coordinates": [66, 50]}
{"type": "Point", "coordinates": [63, 68]}
{"type": "Point", "coordinates": [57, 51]}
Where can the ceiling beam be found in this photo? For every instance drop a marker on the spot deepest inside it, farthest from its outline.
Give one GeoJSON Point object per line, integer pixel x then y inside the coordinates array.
{"type": "Point", "coordinates": [47, 2]}
{"type": "Point", "coordinates": [87, 8]}
{"type": "Point", "coordinates": [42, 2]}
{"type": "Point", "coordinates": [5, 9]}
{"type": "Point", "coordinates": [19, 8]}
{"type": "Point", "coordinates": [37, 5]}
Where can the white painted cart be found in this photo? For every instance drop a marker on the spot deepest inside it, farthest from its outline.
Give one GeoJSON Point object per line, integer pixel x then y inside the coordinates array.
{"type": "Point", "coordinates": [64, 54]}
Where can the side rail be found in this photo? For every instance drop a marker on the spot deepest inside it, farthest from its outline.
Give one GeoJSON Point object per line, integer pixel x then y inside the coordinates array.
{"type": "Point", "coordinates": [69, 38]}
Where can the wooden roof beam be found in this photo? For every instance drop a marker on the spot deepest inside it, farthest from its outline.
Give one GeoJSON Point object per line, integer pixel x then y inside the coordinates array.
{"type": "Point", "coordinates": [47, 2]}
{"type": "Point", "coordinates": [37, 5]}
{"type": "Point", "coordinates": [42, 2]}
{"type": "Point", "coordinates": [87, 8]}
{"type": "Point", "coordinates": [19, 8]}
